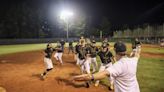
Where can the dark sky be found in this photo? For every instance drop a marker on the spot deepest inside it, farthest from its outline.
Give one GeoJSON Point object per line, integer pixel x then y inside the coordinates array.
{"type": "Point", "coordinates": [119, 12]}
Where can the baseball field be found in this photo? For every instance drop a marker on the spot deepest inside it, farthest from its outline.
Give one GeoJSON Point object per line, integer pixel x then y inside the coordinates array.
{"type": "Point", "coordinates": [21, 66]}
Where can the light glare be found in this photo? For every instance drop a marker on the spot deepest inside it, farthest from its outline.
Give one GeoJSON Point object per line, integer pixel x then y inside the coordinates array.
{"type": "Point", "coordinates": [65, 14]}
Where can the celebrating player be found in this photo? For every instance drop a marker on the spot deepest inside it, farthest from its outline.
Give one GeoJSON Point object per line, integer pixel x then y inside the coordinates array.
{"type": "Point", "coordinates": [94, 51]}
{"type": "Point", "coordinates": [59, 53]}
{"type": "Point", "coordinates": [47, 59]}
{"type": "Point", "coordinates": [70, 48]}
{"type": "Point", "coordinates": [106, 61]}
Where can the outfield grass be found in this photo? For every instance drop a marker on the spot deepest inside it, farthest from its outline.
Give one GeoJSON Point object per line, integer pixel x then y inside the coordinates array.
{"type": "Point", "coordinates": [154, 50]}
{"type": "Point", "coordinates": [7, 49]}
{"type": "Point", "coordinates": [150, 74]}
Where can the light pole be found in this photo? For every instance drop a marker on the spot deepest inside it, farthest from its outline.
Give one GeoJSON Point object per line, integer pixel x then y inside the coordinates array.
{"type": "Point", "coordinates": [65, 15]}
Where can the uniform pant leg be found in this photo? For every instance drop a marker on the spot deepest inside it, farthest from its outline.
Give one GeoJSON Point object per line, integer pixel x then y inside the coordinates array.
{"type": "Point", "coordinates": [56, 56]}
{"type": "Point", "coordinates": [94, 64]}
{"type": "Point", "coordinates": [102, 68]}
{"type": "Point", "coordinates": [60, 57]}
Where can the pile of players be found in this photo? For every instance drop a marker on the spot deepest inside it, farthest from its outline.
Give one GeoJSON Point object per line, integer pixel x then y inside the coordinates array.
{"type": "Point", "coordinates": [86, 52]}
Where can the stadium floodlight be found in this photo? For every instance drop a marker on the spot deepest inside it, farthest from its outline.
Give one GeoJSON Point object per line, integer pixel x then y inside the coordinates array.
{"type": "Point", "coordinates": [65, 15]}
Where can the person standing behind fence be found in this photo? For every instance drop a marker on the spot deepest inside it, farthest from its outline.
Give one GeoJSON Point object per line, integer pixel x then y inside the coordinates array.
{"type": "Point", "coordinates": [70, 48]}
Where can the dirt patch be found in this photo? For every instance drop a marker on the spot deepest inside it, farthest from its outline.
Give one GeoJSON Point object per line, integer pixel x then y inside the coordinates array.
{"type": "Point", "coordinates": [152, 55]}
{"type": "Point", "coordinates": [20, 72]}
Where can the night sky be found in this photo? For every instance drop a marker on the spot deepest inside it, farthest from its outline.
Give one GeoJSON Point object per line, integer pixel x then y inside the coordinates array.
{"type": "Point", "coordinates": [119, 12]}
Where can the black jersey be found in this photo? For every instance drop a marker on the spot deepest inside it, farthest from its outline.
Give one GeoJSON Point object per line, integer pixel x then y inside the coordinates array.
{"type": "Point", "coordinates": [105, 56]}
{"type": "Point", "coordinates": [70, 44]}
{"type": "Point", "coordinates": [62, 43]}
{"type": "Point", "coordinates": [94, 51]}
{"type": "Point", "coordinates": [48, 52]}
{"type": "Point", "coordinates": [88, 50]}
{"type": "Point", "coordinates": [77, 48]}
{"type": "Point", "coordinates": [81, 52]}
{"type": "Point", "coordinates": [59, 48]}
{"type": "Point", "coordinates": [136, 43]}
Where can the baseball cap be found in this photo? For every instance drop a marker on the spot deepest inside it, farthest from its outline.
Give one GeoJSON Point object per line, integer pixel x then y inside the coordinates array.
{"type": "Point", "coordinates": [104, 45]}
{"type": "Point", "coordinates": [93, 41]}
{"type": "Point", "coordinates": [120, 47]}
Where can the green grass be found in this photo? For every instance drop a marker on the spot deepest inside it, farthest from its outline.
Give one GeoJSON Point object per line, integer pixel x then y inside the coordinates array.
{"type": "Point", "coordinates": [150, 75]}
{"type": "Point", "coordinates": [7, 49]}
{"type": "Point", "coordinates": [154, 50]}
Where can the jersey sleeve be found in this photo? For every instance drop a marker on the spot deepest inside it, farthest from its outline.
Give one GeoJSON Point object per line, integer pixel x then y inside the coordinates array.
{"type": "Point", "coordinates": [110, 54]}
{"type": "Point", "coordinates": [45, 51]}
{"type": "Point", "coordinates": [115, 70]}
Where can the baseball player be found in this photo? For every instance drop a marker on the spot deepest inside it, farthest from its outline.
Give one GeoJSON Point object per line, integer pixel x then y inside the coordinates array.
{"type": "Point", "coordinates": [70, 48]}
{"type": "Point", "coordinates": [62, 42]}
{"type": "Point", "coordinates": [77, 53]}
{"type": "Point", "coordinates": [137, 44]}
{"type": "Point", "coordinates": [59, 53]}
{"type": "Point", "coordinates": [106, 61]}
{"type": "Point", "coordinates": [82, 40]}
{"type": "Point", "coordinates": [47, 60]}
{"type": "Point", "coordinates": [94, 51]}
{"type": "Point", "coordinates": [134, 50]}
{"type": "Point", "coordinates": [85, 59]}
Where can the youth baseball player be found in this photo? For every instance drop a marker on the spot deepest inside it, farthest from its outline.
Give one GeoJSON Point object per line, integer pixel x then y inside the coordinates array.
{"type": "Point", "coordinates": [47, 60]}
{"type": "Point", "coordinates": [137, 44]}
{"type": "Point", "coordinates": [59, 53]}
{"type": "Point", "coordinates": [85, 59]}
{"type": "Point", "coordinates": [106, 61]}
{"type": "Point", "coordinates": [70, 48]}
{"type": "Point", "coordinates": [134, 50]}
{"type": "Point", "coordinates": [94, 51]}
{"type": "Point", "coordinates": [77, 53]}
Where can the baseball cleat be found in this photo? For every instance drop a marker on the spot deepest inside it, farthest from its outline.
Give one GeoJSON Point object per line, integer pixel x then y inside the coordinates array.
{"type": "Point", "coordinates": [111, 87]}
{"type": "Point", "coordinates": [96, 84]}
{"type": "Point", "coordinates": [87, 85]}
{"type": "Point", "coordinates": [42, 76]}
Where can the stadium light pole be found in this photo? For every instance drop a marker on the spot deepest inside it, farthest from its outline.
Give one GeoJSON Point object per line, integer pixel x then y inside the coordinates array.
{"type": "Point", "coordinates": [65, 15]}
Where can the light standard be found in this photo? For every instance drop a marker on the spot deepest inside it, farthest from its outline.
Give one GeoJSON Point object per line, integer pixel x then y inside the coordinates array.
{"type": "Point", "coordinates": [65, 15]}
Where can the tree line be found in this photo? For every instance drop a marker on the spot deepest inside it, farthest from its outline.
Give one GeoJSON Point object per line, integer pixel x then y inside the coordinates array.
{"type": "Point", "coordinates": [144, 31]}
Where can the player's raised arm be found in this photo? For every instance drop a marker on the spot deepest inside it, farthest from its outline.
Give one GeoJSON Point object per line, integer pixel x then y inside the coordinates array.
{"type": "Point", "coordinates": [137, 53]}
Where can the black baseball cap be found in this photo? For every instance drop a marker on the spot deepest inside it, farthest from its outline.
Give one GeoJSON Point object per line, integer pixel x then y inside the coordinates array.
{"type": "Point", "coordinates": [120, 47]}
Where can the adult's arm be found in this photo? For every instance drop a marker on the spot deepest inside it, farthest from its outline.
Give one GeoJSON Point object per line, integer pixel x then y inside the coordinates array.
{"type": "Point", "coordinates": [87, 77]}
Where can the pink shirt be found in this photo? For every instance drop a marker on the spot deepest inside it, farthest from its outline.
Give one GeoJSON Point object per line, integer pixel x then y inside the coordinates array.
{"type": "Point", "coordinates": [124, 74]}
